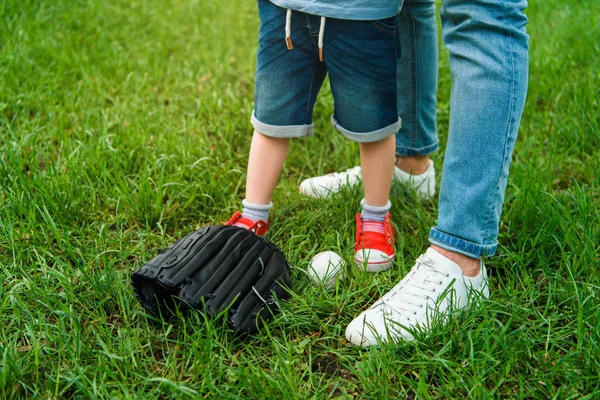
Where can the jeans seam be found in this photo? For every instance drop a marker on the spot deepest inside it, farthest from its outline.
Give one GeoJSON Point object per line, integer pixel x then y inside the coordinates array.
{"type": "Point", "coordinates": [467, 245]}
{"type": "Point", "coordinates": [380, 28]}
{"type": "Point", "coordinates": [308, 30]}
{"type": "Point", "coordinates": [492, 208]}
{"type": "Point", "coordinates": [414, 80]}
{"type": "Point", "coordinates": [404, 151]}
{"type": "Point", "coordinates": [312, 81]}
{"type": "Point", "coordinates": [461, 245]}
{"type": "Point", "coordinates": [310, 89]}
{"type": "Point", "coordinates": [398, 55]}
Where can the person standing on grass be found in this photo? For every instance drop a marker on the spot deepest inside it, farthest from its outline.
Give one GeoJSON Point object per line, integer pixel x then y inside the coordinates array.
{"type": "Point", "coordinates": [488, 45]}
{"type": "Point", "coordinates": [356, 43]}
{"type": "Point", "coordinates": [417, 89]}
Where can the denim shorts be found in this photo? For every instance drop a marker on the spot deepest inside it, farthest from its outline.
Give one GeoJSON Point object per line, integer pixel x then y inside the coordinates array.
{"type": "Point", "coordinates": [361, 58]}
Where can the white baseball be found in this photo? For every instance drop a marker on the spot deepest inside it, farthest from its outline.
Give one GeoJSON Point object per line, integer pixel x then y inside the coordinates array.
{"type": "Point", "coordinates": [326, 268]}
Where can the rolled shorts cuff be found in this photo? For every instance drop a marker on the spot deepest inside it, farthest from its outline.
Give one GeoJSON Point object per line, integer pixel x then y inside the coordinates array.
{"type": "Point", "coordinates": [462, 246]}
{"type": "Point", "coordinates": [403, 151]}
{"type": "Point", "coordinates": [367, 137]}
{"type": "Point", "coordinates": [282, 131]}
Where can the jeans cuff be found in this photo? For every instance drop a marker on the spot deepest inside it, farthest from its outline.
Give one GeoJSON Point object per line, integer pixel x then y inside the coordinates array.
{"type": "Point", "coordinates": [282, 131]}
{"type": "Point", "coordinates": [403, 151]}
{"type": "Point", "coordinates": [459, 245]}
{"type": "Point", "coordinates": [367, 137]}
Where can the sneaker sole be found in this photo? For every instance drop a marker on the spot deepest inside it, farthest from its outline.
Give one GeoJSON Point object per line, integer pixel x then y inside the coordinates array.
{"type": "Point", "coordinates": [374, 267]}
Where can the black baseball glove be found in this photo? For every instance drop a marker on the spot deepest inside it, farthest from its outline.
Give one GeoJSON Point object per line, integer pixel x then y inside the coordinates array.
{"type": "Point", "coordinates": [213, 269]}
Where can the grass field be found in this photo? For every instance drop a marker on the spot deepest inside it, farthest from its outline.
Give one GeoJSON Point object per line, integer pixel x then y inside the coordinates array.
{"type": "Point", "coordinates": [125, 125]}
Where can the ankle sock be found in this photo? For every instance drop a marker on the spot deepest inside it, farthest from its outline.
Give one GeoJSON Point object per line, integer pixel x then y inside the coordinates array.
{"type": "Point", "coordinates": [256, 212]}
{"type": "Point", "coordinates": [374, 216]}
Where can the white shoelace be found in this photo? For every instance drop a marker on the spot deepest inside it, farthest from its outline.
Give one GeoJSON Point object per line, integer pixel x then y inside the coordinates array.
{"type": "Point", "coordinates": [373, 226]}
{"type": "Point", "coordinates": [425, 282]}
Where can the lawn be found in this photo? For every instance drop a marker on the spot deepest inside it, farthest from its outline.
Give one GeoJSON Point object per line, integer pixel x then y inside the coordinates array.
{"type": "Point", "coordinates": [124, 125]}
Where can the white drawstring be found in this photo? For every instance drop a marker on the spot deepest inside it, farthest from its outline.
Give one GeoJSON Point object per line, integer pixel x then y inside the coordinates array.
{"type": "Point", "coordinates": [288, 30]}
{"type": "Point", "coordinates": [288, 33]}
{"type": "Point", "coordinates": [321, 34]}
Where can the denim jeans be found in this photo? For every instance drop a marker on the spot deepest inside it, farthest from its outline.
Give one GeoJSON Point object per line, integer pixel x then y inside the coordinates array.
{"type": "Point", "coordinates": [489, 63]}
{"type": "Point", "coordinates": [360, 58]}
{"type": "Point", "coordinates": [417, 78]}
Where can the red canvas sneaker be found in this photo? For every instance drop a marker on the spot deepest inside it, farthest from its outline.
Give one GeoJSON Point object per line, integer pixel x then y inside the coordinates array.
{"type": "Point", "coordinates": [259, 227]}
{"type": "Point", "coordinates": [374, 248]}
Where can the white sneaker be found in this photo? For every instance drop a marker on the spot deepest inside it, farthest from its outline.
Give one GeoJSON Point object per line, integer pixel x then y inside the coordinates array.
{"type": "Point", "coordinates": [326, 185]}
{"type": "Point", "coordinates": [424, 183]}
{"type": "Point", "coordinates": [323, 186]}
{"type": "Point", "coordinates": [434, 287]}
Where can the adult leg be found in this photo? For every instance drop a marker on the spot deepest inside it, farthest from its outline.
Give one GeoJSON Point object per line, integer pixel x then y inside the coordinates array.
{"type": "Point", "coordinates": [417, 86]}
{"type": "Point", "coordinates": [488, 48]}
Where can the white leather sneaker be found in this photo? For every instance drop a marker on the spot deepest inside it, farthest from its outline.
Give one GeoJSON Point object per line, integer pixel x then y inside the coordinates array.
{"type": "Point", "coordinates": [326, 185]}
{"type": "Point", "coordinates": [424, 183]}
{"type": "Point", "coordinates": [323, 186]}
{"type": "Point", "coordinates": [434, 287]}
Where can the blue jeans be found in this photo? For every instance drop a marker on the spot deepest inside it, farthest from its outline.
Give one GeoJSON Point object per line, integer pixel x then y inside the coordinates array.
{"type": "Point", "coordinates": [489, 63]}
{"type": "Point", "coordinates": [417, 78]}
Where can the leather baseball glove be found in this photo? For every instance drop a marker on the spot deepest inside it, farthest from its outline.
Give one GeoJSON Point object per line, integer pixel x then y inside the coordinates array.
{"type": "Point", "coordinates": [214, 269]}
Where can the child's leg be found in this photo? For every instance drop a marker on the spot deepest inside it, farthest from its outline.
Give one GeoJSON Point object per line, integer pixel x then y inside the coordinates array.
{"type": "Point", "coordinates": [375, 233]}
{"type": "Point", "coordinates": [377, 163]}
{"type": "Point", "coordinates": [267, 155]}
{"type": "Point", "coordinates": [362, 58]}
{"type": "Point", "coordinates": [287, 83]}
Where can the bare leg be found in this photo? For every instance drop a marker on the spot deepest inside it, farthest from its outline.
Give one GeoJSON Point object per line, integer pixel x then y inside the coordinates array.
{"type": "Point", "coordinates": [470, 266]}
{"type": "Point", "coordinates": [377, 162]}
{"type": "Point", "coordinates": [414, 165]}
{"type": "Point", "coordinates": [265, 162]}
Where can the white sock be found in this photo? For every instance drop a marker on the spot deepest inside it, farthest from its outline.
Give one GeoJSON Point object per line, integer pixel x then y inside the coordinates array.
{"type": "Point", "coordinates": [374, 216]}
{"type": "Point", "coordinates": [256, 212]}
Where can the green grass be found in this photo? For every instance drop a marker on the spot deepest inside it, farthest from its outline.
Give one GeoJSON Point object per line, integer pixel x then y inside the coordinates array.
{"type": "Point", "coordinates": [124, 125]}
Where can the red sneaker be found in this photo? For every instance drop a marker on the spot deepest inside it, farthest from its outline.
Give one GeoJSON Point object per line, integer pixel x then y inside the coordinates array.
{"type": "Point", "coordinates": [374, 248]}
{"type": "Point", "coordinates": [259, 227]}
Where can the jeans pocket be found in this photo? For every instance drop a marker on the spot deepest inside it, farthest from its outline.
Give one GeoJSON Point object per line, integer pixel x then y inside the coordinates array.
{"type": "Point", "coordinates": [387, 25]}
